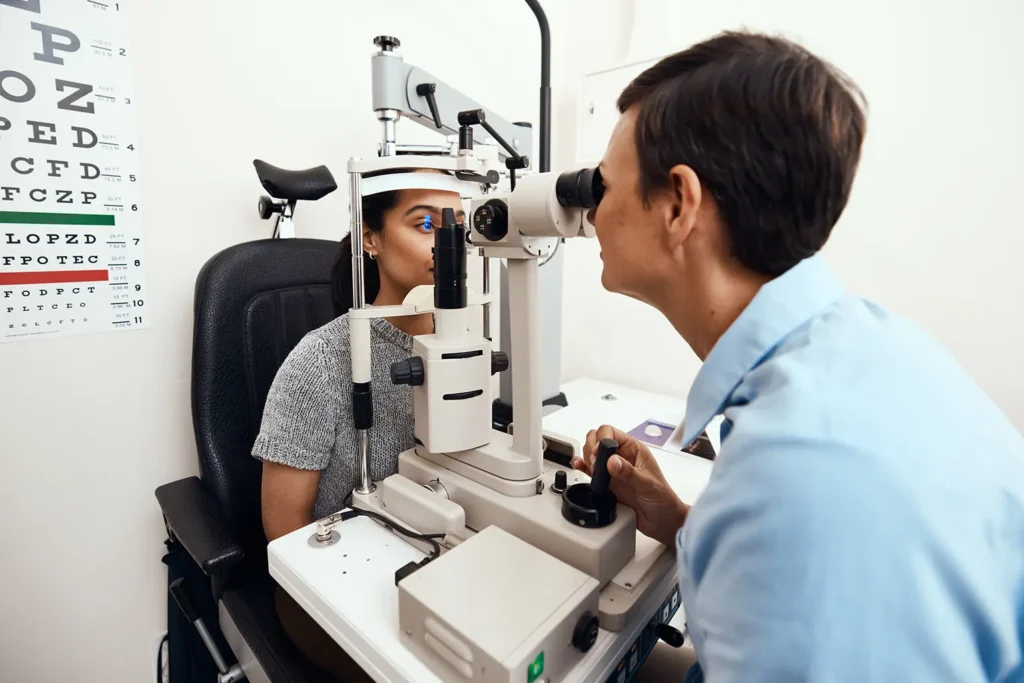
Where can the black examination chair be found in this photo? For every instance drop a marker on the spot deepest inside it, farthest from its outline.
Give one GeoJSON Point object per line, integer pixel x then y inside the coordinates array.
{"type": "Point", "coordinates": [253, 303]}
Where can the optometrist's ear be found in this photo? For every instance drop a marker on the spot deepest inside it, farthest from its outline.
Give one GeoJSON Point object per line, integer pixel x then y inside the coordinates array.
{"type": "Point", "coordinates": [682, 201]}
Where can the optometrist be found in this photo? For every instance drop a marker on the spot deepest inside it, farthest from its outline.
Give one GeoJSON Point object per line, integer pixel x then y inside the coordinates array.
{"type": "Point", "coordinates": [864, 520]}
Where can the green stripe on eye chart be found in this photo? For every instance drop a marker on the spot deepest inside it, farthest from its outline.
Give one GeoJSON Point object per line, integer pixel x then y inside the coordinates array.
{"type": "Point", "coordinates": [32, 218]}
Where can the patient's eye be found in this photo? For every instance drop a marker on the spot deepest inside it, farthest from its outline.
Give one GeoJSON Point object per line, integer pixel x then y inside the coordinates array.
{"type": "Point", "coordinates": [426, 224]}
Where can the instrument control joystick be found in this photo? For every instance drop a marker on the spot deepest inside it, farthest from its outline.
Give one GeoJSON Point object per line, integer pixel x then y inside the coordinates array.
{"type": "Point", "coordinates": [592, 504]}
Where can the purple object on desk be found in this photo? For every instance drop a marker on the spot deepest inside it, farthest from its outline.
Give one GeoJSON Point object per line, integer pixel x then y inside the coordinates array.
{"type": "Point", "coordinates": [641, 434]}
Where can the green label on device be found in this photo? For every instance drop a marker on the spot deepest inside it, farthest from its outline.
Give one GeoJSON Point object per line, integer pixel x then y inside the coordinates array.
{"type": "Point", "coordinates": [536, 669]}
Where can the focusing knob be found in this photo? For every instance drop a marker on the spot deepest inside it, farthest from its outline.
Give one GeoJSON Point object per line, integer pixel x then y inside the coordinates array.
{"type": "Point", "coordinates": [585, 634]}
{"type": "Point", "coordinates": [408, 371]}
{"type": "Point", "coordinates": [387, 43]}
{"type": "Point", "coordinates": [561, 481]}
{"type": "Point", "coordinates": [499, 361]}
{"type": "Point", "coordinates": [491, 220]}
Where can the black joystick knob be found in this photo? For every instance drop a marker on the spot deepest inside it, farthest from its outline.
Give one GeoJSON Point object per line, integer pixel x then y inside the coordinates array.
{"type": "Point", "coordinates": [387, 43]}
{"type": "Point", "coordinates": [561, 481]}
{"type": "Point", "coordinates": [408, 371]}
{"type": "Point", "coordinates": [670, 634]}
{"type": "Point", "coordinates": [499, 361]}
{"type": "Point", "coordinates": [585, 634]}
{"type": "Point", "coordinates": [600, 482]}
{"type": "Point", "coordinates": [592, 504]}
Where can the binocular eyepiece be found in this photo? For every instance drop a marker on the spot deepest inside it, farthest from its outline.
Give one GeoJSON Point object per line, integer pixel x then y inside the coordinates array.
{"type": "Point", "coordinates": [580, 189]}
{"type": "Point", "coordinates": [542, 205]}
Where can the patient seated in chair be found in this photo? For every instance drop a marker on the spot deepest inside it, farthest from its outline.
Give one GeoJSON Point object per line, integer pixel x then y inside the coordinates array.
{"type": "Point", "coordinates": [307, 441]}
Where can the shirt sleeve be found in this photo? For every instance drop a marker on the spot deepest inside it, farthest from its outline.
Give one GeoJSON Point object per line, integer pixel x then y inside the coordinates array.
{"type": "Point", "coordinates": [303, 408]}
{"type": "Point", "coordinates": [816, 569]}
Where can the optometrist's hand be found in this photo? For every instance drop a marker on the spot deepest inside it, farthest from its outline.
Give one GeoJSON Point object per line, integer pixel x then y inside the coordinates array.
{"type": "Point", "coordinates": [637, 482]}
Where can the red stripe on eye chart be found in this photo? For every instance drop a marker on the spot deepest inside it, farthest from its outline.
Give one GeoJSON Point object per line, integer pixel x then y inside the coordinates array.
{"type": "Point", "coordinates": [53, 277]}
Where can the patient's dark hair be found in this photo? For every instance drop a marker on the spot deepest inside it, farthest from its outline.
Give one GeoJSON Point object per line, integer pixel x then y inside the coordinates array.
{"type": "Point", "coordinates": [375, 206]}
{"type": "Point", "coordinates": [772, 131]}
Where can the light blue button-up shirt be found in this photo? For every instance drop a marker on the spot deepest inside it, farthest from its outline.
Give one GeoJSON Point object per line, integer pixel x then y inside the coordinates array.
{"type": "Point", "coordinates": [865, 517]}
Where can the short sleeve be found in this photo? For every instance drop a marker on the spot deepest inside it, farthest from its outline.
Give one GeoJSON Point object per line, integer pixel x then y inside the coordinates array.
{"type": "Point", "coordinates": [816, 568]}
{"type": "Point", "coordinates": [304, 405]}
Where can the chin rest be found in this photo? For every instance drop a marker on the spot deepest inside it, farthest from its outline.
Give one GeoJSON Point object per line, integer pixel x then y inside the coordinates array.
{"type": "Point", "coordinates": [307, 185]}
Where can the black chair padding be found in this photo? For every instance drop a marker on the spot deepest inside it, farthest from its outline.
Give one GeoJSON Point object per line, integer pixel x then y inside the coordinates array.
{"type": "Point", "coordinates": [187, 656]}
{"type": "Point", "coordinates": [309, 184]}
{"type": "Point", "coordinates": [194, 516]}
{"type": "Point", "coordinates": [250, 602]}
{"type": "Point", "coordinates": [253, 303]}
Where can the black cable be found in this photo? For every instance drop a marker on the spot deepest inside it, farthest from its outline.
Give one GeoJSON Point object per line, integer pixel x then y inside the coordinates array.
{"type": "Point", "coordinates": [434, 554]}
{"type": "Point", "coordinates": [545, 85]}
{"type": "Point", "coordinates": [160, 660]}
{"type": "Point", "coordinates": [545, 98]}
{"type": "Point", "coordinates": [429, 538]}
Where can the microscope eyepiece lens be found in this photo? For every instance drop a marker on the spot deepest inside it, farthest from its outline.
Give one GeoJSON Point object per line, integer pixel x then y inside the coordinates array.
{"type": "Point", "coordinates": [582, 189]}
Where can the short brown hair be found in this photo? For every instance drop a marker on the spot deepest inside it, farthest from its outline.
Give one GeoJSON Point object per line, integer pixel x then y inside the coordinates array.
{"type": "Point", "coordinates": [772, 131]}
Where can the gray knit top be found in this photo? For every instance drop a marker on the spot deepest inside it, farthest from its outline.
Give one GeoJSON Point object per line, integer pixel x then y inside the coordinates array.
{"type": "Point", "coordinates": [307, 422]}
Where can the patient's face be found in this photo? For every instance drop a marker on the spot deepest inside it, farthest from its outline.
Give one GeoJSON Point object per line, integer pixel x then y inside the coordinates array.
{"type": "Point", "coordinates": [405, 256]}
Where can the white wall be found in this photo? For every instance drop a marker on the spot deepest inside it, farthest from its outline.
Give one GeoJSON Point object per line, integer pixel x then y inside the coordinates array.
{"type": "Point", "coordinates": [934, 229]}
{"type": "Point", "coordinates": [218, 83]}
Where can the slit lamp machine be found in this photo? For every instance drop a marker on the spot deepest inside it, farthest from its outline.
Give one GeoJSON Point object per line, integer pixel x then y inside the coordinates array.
{"type": "Point", "coordinates": [526, 557]}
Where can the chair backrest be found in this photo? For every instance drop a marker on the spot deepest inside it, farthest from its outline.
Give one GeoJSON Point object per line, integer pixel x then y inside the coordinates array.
{"type": "Point", "coordinates": [253, 303]}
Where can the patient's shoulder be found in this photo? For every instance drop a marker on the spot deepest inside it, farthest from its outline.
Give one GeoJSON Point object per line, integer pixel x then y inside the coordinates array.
{"type": "Point", "coordinates": [319, 354]}
{"type": "Point", "coordinates": [333, 335]}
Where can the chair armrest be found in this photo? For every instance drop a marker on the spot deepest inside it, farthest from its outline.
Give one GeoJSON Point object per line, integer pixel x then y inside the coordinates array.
{"type": "Point", "coordinates": [194, 516]}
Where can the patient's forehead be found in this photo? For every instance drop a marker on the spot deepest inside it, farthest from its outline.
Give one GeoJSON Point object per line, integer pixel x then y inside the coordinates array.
{"type": "Point", "coordinates": [448, 197]}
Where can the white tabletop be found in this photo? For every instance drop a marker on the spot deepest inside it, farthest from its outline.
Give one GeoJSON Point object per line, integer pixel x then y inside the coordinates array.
{"type": "Point", "coordinates": [593, 403]}
{"type": "Point", "coordinates": [349, 589]}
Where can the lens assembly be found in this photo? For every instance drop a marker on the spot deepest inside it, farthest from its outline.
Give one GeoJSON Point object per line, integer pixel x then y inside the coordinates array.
{"type": "Point", "coordinates": [449, 263]}
{"type": "Point", "coordinates": [582, 189]}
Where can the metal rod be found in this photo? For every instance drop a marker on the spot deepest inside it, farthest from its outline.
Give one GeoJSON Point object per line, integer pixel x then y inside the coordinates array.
{"type": "Point", "coordinates": [501, 141]}
{"type": "Point", "coordinates": [422, 149]}
{"type": "Point", "coordinates": [487, 290]}
{"type": "Point", "coordinates": [211, 645]}
{"type": "Point", "coordinates": [365, 482]}
{"type": "Point", "coordinates": [355, 183]}
{"type": "Point", "coordinates": [389, 119]}
{"type": "Point", "coordinates": [545, 85]}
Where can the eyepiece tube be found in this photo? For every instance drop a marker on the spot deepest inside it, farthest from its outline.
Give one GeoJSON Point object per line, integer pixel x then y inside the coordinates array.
{"type": "Point", "coordinates": [449, 262]}
{"type": "Point", "coordinates": [580, 189]}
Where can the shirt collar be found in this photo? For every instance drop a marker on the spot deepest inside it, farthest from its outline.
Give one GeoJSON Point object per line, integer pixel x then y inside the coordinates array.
{"type": "Point", "coordinates": [779, 307]}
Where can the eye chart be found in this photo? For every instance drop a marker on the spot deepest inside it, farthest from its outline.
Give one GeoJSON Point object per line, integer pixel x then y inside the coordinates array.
{"type": "Point", "coordinates": [72, 254]}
